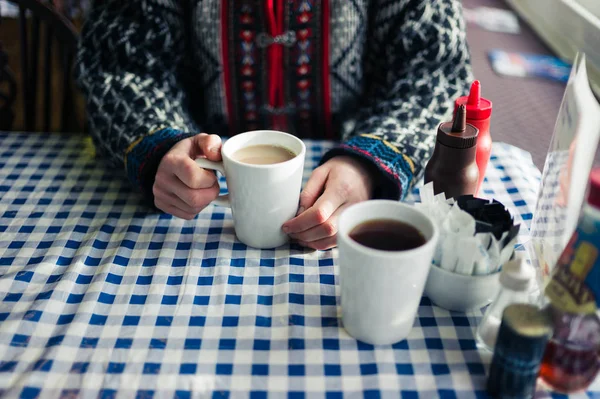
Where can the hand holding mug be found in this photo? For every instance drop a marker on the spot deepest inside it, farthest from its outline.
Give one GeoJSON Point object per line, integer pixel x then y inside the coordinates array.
{"type": "Point", "coordinates": [263, 169]}
{"type": "Point", "coordinates": [332, 187]}
{"type": "Point", "coordinates": [181, 188]}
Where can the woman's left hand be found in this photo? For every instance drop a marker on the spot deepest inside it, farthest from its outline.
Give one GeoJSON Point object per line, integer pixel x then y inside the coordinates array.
{"type": "Point", "coordinates": [333, 186]}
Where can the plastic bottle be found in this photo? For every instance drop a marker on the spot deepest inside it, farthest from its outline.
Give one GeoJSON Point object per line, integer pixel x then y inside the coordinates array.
{"type": "Point", "coordinates": [452, 167]}
{"type": "Point", "coordinates": [516, 279]}
{"type": "Point", "coordinates": [572, 357]}
{"type": "Point", "coordinates": [479, 112]}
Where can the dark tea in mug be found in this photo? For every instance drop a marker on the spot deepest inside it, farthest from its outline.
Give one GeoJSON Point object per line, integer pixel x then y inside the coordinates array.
{"type": "Point", "coordinates": [387, 235]}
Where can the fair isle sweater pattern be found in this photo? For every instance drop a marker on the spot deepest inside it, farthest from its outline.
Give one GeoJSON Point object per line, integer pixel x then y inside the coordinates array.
{"type": "Point", "coordinates": [377, 75]}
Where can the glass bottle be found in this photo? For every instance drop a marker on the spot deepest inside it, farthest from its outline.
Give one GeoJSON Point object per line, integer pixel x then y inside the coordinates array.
{"type": "Point", "coordinates": [572, 357]}
{"type": "Point", "coordinates": [516, 280]}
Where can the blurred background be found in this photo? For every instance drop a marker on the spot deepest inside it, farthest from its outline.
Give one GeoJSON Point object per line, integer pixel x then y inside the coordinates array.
{"type": "Point", "coordinates": [37, 43]}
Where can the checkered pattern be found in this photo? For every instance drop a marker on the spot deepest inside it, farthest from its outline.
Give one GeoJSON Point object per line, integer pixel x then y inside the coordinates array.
{"type": "Point", "coordinates": [101, 296]}
{"type": "Point", "coordinates": [549, 224]}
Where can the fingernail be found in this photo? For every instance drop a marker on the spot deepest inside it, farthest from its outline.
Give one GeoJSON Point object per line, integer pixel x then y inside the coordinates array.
{"type": "Point", "coordinates": [300, 210]}
{"type": "Point", "coordinates": [286, 229]}
{"type": "Point", "coordinates": [214, 149]}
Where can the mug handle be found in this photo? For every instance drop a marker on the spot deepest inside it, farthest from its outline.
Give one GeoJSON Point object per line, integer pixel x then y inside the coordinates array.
{"type": "Point", "coordinates": [221, 200]}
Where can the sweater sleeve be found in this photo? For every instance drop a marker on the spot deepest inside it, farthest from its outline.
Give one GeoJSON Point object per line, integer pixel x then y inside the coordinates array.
{"type": "Point", "coordinates": [129, 67]}
{"type": "Point", "coordinates": [417, 63]}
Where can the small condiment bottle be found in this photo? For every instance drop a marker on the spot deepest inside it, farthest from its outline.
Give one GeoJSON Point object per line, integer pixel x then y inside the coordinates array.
{"type": "Point", "coordinates": [452, 167]}
{"type": "Point", "coordinates": [479, 112]}
{"type": "Point", "coordinates": [522, 338]}
{"type": "Point", "coordinates": [516, 280]}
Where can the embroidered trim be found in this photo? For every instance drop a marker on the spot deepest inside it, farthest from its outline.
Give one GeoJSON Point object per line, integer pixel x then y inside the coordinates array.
{"type": "Point", "coordinates": [231, 112]}
{"type": "Point", "coordinates": [393, 148]}
{"type": "Point", "coordinates": [396, 166]}
{"type": "Point", "coordinates": [325, 72]}
{"type": "Point", "coordinates": [245, 64]}
{"type": "Point", "coordinates": [304, 71]}
{"type": "Point", "coordinates": [143, 158]}
{"type": "Point", "coordinates": [137, 141]}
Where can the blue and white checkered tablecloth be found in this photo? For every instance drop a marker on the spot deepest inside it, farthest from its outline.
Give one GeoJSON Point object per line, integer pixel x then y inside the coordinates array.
{"type": "Point", "coordinates": [103, 297]}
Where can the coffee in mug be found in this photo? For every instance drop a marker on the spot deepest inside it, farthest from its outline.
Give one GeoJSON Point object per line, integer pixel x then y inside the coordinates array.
{"type": "Point", "coordinates": [385, 253]}
{"type": "Point", "coordinates": [387, 235]}
{"type": "Point", "coordinates": [263, 169]}
{"type": "Point", "coordinates": [263, 154]}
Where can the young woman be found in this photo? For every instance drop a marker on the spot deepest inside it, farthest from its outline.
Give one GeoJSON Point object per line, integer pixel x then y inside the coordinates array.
{"type": "Point", "coordinates": [165, 78]}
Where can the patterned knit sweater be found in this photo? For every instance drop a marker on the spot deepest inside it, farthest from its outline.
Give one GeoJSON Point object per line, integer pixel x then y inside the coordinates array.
{"type": "Point", "coordinates": [377, 75]}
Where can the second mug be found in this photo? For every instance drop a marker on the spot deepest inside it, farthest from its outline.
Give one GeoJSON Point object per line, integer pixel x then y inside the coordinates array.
{"type": "Point", "coordinates": [385, 248]}
{"type": "Point", "coordinates": [263, 169]}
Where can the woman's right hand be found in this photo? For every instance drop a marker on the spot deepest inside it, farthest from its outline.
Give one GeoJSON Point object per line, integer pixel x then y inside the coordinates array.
{"type": "Point", "coordinates": [181, 187]}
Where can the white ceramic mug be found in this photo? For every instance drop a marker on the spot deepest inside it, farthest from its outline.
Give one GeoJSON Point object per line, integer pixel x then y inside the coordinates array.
{"type": "Point", "coordinates": [381, 290]}
{"type": "Point", "coordinates": [261, 197]}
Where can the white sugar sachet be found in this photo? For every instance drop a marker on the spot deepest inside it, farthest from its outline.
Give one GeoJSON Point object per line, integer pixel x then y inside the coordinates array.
{"type": "Point", "coordinates": [494, 253]}
{"type": "Point", "coordinates": [482, 266]}
{"type": "Point", "coordinates": [449, 255]}
{"type": "Point", "coordinates": [435, 206]}
{"type": "Point", "coordinates": [485, 239]}
{"type": "Point", "coordinates": [437, 255]}
{"type": "Point", "coordinates": [468, 251]}
{"type": "Point", "coordinates": [459, 222]}
{"type": "Point", "coordinates": [426, 194]}
{"type": "Point", "coordinates": [459, 249]}
{"type": "Point", "coordinates": [482, 263]}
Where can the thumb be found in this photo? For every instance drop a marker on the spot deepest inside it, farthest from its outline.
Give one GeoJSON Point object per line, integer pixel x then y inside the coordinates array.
{"type": "Point", "coordinates": [313, 189]}
{"type": "Point", "coordinates": [207, 145]}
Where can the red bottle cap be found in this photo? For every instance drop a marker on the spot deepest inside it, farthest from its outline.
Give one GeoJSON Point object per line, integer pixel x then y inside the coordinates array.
{"type": "Point", "coordinates": [594, 189]}
{"type": "Point", "coordinates": [477, 106]}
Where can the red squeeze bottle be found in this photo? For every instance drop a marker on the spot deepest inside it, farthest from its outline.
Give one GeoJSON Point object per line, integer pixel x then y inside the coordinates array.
{"type": "Point", "coordinates": [479, 111]}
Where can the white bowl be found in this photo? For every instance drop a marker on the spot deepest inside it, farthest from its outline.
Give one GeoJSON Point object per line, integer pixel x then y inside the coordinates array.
{"type": "Point", "coordinates": [459, 292]}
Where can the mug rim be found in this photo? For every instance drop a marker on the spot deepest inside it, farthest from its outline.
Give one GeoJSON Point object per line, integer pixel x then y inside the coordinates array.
{"type": "Point", "coordinates": [343, 231]}
{"type": "Point", "coordinates": [224, 155]}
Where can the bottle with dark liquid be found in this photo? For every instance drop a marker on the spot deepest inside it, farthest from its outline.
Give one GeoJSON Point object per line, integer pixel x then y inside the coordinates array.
{"type": "Point", "coordinates": [572, 357]}
{"type": "Point", "coordinates": [453, 166]}
{"type": "Point", "coordinates": [571, 361]}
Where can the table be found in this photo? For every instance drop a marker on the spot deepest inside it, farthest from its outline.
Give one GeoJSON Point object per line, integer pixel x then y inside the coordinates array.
{"type": "Point", "coordinates": [103, 297]}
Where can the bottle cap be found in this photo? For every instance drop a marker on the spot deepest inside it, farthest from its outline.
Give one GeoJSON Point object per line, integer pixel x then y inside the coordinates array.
{"type": "Point", "coordinates": [477, 106]}
{"type": "Point", "coordinates": [517, 275]}
{"type": "Point", "coordinates": [458, 133]}
{"type": "Point", "coordinates": [594, 189]}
